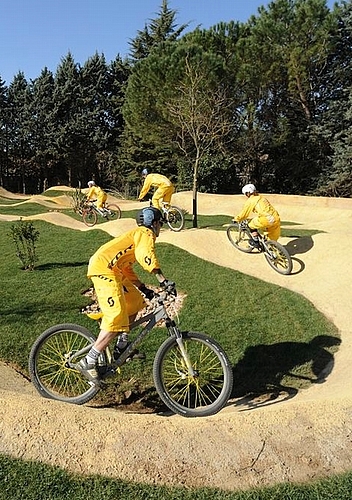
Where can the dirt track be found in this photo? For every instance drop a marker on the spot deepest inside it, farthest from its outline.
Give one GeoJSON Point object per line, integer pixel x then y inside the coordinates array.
{"type": "Point", "coordinates": [309, 436]}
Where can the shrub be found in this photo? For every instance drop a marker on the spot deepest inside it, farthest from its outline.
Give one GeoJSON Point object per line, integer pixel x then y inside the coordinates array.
{"type": "Point", "coordinates": [24, 235]}
{"type": "Point", "coordinates": [78, 200]}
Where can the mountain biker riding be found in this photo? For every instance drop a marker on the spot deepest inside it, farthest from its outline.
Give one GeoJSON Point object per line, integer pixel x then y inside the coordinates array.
{"type": "Point", "coordinates": [164, 191]}
{"type": "Point", "coordinates": [96, 193]}
{"type": "Point", "coordinates": [266, 217]}
{"type": "Point", "coordinates": [118, 288]}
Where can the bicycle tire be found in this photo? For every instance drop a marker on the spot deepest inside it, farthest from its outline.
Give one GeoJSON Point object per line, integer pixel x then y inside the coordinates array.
{"type": "Point", "coordinates": [48, 364]}
{"type": "Point", "coordinates": [200, 396]}
{"type": "Point", "coordinates": [175, 218]}
{"type": "Point", "coordinates": [278, 257]}
{"type": "Point", "coordinates": [89, 217]}
{"type": "Point", "coordinates": [239, 238]}
{"type": "Point", "coordinates": [115, 211]}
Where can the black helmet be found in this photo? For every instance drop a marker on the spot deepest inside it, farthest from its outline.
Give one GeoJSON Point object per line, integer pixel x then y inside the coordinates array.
{"type": "Point", "coordinates": [147, 216]}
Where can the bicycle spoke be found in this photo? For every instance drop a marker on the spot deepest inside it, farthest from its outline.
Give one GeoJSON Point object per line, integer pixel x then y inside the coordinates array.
{"type": "Point", "coordinates": [193, 392]}
{"type": "Point", "coordinates": [50, 360]}
{"type": "Point", "coordinates": [278, 258]}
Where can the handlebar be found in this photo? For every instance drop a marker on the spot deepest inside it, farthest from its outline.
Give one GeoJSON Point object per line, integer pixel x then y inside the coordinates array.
{"type": "Point", "coordinates": [165, 295]}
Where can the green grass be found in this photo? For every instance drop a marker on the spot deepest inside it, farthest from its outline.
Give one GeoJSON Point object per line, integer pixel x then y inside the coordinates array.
{"type": "Point", "coordinates": [8, 201]}
{"type": "Point", "coordinates": [252, 319]}
{"type": "Point", "coordinates": [34, 481]}
{"type": "Point", "coordinates": [216, 222]}
{"type": "Point", "coordinates": [53, 193]}
{"type": "Point", "coordinates": [26, 209]}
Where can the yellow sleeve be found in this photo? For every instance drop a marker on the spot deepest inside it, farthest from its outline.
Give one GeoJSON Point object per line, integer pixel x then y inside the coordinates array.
{"type": "Point", "coordinates": [91, 193]}
{"type": "Point", "coordinates": [145, 249]}
{"type": "Point", "coordinates": [246, 210]}
{"type": "Point", "coordinates": [145, 188]}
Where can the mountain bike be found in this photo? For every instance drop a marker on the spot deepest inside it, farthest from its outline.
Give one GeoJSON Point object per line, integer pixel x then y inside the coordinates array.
{"type": "Point", "coordinates": [275, 254]}
{"type": "Point", "coordinates": [172, 215]}
{"type": "Point", "coordinates": [90, 213]}
{"type": "Point", "coordinates": [191, 371]}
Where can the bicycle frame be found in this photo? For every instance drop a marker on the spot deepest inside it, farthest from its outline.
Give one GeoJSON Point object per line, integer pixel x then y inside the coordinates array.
{"type": "Point", "coordinates": [151, 319]}
{"type": "Point", "coordinates": [99, 211]}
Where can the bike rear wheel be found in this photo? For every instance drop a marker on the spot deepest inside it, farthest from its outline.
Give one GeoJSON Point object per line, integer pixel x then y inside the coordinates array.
{"type": "Point", "coordinates": [239, 237]}
{"type": "Point", "coordinates": [278, 257]}
{"type": "Point", "coordinates": [201, 395]}
{"type": "Point", "coordinates": [89, 217]}
{"type": "Point", "coordinates": [175, 218]}
{"type": "Point", "coordinates": [113, 211]}
{"type": "Point", "coordinates": [50, 364]}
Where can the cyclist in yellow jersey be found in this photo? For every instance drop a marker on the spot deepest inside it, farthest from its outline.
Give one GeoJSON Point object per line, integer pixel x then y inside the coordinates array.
{"type": "Point", "coordinates": [96, 193]}
{"type": "Point", "coordinates": [117, 286]}
{"type": "Point", "coordinates": [265, 215]}
{"type": "Point", "coordinates": [164, 191]}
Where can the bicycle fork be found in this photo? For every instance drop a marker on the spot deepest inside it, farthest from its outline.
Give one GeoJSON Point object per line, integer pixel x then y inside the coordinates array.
{"type": "Point", "coordinates": [179, 339]}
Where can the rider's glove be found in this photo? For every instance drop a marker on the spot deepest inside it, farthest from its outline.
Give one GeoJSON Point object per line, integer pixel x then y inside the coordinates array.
{"type": "Point", "coordinates": [147, 292]}
{"type": "Point", "coordinates": [170, 286]}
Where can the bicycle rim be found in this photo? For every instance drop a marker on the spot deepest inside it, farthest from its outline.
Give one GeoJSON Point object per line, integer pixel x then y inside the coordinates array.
{"type": "Point", "coordinates": [278, 257]}
{"type": "Point", "coordinates": [193, 396]}
{"type": "Point", "coordinates": [49, 368]}
{"type": "Point", "coordinates": [89, 217]}
{"type": "Point", "coordinates": [239, 238]}
{"type": "Point", "coordinates": [115, 211]}
{"type": "Point", "coordinates": [175, 219]}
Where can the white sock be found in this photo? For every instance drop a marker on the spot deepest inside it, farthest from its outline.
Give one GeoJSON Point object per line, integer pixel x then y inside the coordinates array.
{"type": "Point", "coordinates": [92, 356]}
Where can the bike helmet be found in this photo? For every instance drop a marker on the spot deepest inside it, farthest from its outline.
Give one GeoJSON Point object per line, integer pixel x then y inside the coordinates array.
{"type": "Point", "coordinates": [249, 188]}
{"type": "Point", "coordinates": [144, 172]}
{"type": "Point", "coordinates": [91, 183]}
{"type": "Point", "coordinates": [147, 216]}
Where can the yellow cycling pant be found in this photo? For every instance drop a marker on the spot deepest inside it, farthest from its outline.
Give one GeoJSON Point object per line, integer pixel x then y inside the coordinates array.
{"type": "Point", "coordinates": [267, 223]}
{"type": "Point", "coordinates": [163, 193]}
{"type": "Point", "coordinates": [101, 200]}
{"type": "Point", "coordinates": [118, 300]}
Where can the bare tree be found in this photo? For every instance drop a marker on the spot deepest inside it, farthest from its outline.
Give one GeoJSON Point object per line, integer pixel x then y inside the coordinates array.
{"type": "Point", "coordinates": [202, 114]}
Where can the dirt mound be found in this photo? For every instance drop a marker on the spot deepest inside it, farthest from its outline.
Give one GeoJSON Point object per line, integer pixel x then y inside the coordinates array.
{"type": "Point", "coordinates": [261, 443]}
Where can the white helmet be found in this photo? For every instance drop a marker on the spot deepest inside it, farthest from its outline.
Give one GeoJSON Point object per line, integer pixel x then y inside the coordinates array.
{"type": "Point", "coordinates": [144, 172]}
{"type": "Point", "coordinates": [91, 183]}
{"type": "Point", "coordinates": [249, 188]}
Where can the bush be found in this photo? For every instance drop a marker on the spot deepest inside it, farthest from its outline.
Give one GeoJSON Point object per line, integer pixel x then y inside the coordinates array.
{"type": "Point", "coordinates": [78, 200]}
{"type": "Point", "coordinates": [24, 235]}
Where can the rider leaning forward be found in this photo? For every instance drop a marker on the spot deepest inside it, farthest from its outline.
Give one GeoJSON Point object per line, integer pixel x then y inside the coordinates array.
{"type": "Point", "coordinates": [266, 217]}
{"type": "Point", "coordinates": [164, 188]}
{"type": "Point", "coordinates": [119, 291]}
{"type": "Point", "coordinates": [96, 193]}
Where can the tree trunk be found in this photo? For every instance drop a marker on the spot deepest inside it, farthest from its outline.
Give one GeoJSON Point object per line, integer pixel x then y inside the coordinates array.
{"type": "Point", "coordinates": [194, 201]}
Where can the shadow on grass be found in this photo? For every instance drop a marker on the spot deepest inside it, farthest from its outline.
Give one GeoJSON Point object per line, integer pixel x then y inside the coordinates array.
{"type": "Point", "coordinates": [268, 374]}
{"type": "Point", "coordinates": [59, 265]}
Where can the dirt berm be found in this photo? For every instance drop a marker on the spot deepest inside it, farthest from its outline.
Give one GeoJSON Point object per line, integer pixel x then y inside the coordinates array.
{"type": "Point", "coordinates": [303, 438]}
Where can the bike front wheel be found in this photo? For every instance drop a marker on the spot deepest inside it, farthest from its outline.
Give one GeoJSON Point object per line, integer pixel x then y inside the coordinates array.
{"type": "Point", "coordinates": [278, 257]}
{"type": "Point", "coordinates": [89, 217]}
{"type": "Point", "coordinates": [203, 393]}
{"type": "Point", "coordinates": [239, 237]}
{"type": "Point", "coordinates": [175, 218]}
{"type": "Point", "coordinates": [50, 364]}
{"type": "Point", "coordinates": [113, 211]}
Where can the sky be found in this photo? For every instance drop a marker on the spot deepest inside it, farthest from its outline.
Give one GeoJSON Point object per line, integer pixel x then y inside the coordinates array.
{"type": "Point", "coordinates": [35, 34]}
